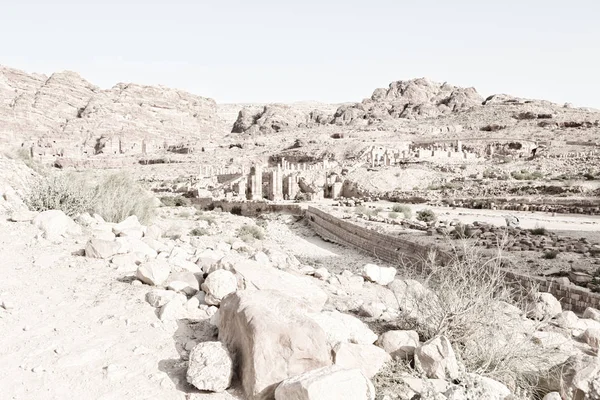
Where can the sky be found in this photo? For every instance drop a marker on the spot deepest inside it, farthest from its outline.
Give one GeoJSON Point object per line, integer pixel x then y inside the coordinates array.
{"type": "Point", "coordinates": [330, 51]}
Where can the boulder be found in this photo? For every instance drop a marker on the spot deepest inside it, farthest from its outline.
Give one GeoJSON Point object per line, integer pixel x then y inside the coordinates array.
{"type": "Point", "coordinates": [23, 216]}
{"type": "Point", "coordinates": [174, 309]}
{"type": "Point", "coordinates": [184, 282]}
{"type": "Point", "coordinates": [328, 383]}
{"type": "Point", "coordinates": [55, 225]}
{"type": "Point", "coordinates": [217, 285]}
{"type": "Point", "coordinates": [399, 344]}
{"type": "Point", "coordinates": [436, 359]}
{"type": "Point", "coordinates": [126, 262]}
{"type": "Point", "coordinates": [591, 336]}
{"type": "Point", "coordinates": [153, 232]}
{"type": "Point", "coordinates": [343, 328]}
{"type": "Point", "coordinates": [159, 297]}
{"type": "Point", "coordinates": [544, 307]}
{"type": "Point", "coordinates": [133, 245]}
{"type": "Point", "coordinates": [380, 275]}
{"type": "Point", "coordinates": [130, 224]}
{"type": "Point", "coordinates": [210, 367]}
{"type": "Point", "coordinates": [552, 396]}
{"type": "Point", "coordinates": [567, 320]}
{"type": "Point", "coordinates": [421, 388]}
{"type": "Point", "coordinates": [208, 258]}
{"type": "Point", "coordinates": [154, 272]}
{"type": "Point", "coordinates": [366, 357]}
{"type": "Point", "coordinates": [102, 234]}
{"type": "Point", "coordinates": [98, 248]}
{"type": "Point", "coordinates": [591, 313]}
{"type": "Point", "coordinates": [269, 278]}
{"type": "Point", "coordinates": [272, 339]}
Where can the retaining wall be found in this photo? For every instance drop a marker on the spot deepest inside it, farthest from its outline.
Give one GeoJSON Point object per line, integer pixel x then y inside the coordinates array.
{"type": "Point", "coordinates": [407, 253]}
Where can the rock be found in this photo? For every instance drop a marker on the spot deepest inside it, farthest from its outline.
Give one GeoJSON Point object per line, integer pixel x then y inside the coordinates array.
{"type": "Point", "coordinates": [422, 388]}
{"type": "Point", "coordinates": [545, 307]}
{"type": "Point", "coordinates": [185, 282]}
{"type": "Point", "coordinates": [210, 367]}
{"type": "Point", "coordinates": [436, 359]}
{"type": "Point", "coordinates": [98, 248]}
{"type": "Point", "coordinates": [322, 273]}
{"type": "Point", "coordinates": [269, 278]}
{"type": "Point", "coordinates": [272, 339]}
{"type": "Point", "coordinates": [372, 310]}
{"type": "Point", "coordinates": [567, 320]}
{"type": "Point", "coordinates": [261, 258]}
{"type": "Point", "coordinates": [328, 383]}
{"type": "Point", "coordinates": [380, 275]}
{"type": "Point", "coordinates": [23, 216]}
{"type": "Point", "coordinates": [223, 247]}
{"type": "Point", "coordinates": [154, 272]}
{"type": "Point", "coordinates": [343, 328]}
{"type": "Point", "coordinates": [366, 357]}
{"type": "Point", "coordinates": [591, 336]}
{"type": "Point", "coordinates": [591, 313]}
{"type": "Point", "coordinates": [126, 262]}
{"type": "Point", "coordinates": [133, 245]}
{"type": "Point", "coordinates": [102, 234]}
{"type": "Point", "coordinates": [174, 309]}
{"type": "Point", "coordinates": [208, 258]}
{"type": "Point", "coordinates": [55, 225]}
{"type": "Point", "coordinates": [579, 378]}
{"type": "Point", "coordinates": [552, 396]}
{"type": "Point", "coordinates": [130, 224]}
{"type": "Point", "coordinates": [153, 232]}
{"type": "Point", "coordinates": [217, 285]}
{"type": "Point", "coordinates": [159, 297]}
{"type": "Point", "coordinates": [399, 344]}
{"type": "Point", "coordinates": [155, 244]}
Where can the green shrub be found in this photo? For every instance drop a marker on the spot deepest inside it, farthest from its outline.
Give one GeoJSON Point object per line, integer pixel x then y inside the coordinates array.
{"type": "Point", "coordinates": [393, 215]}
{"type": "Point", "coordinates": [403, 209]}
{"type": "Point", "coordinates": [365, 211]}
{"type": "Point", "coordinates": [68, 193]}
{"type": "Point", "coordinates": [236, 210]}
{"type": "Point", "coordinates": [462, 231]}
{"type": "Point", "coordinates": [118, 196]}
{"type": "Point", "coordinates": [426, 215]}
{"type": "Point", "coordinates": [550, 254]}
{"type": "Point", "coordinates": [249, 233]}
{"type": "Point", "coordinates": [208, 218]}
{"type": "Point", "coordinates": [539, 231]}
{"type": "Point", "coordinates": [199, 232]}
{"type": "Point", "coordinates": [175, 201]}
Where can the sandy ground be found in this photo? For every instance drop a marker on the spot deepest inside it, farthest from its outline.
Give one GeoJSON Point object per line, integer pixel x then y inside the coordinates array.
{"type": "Point", "coordinates": [78, 329]}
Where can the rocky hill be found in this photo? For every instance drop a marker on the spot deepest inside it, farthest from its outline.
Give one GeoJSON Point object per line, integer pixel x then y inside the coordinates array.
{"type": "Point", "coordinates": [64, 110]}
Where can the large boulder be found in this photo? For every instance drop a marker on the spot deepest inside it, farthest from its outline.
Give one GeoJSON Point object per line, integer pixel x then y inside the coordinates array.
{"type": "Point", "coordinates": [591, 313]}
{"type": "Point", "coordinates": [130, 226]}
{"type": "Point", "coordinates": [272, 339]}
{"type": "Point", "coordinates": [399, 344]}
{"type": "Point", "coordinates": [577, 378]}
{"type": "Point", "coordinates": [366, 357]}
{"type": "Point", "coordinates": [343, 328]}
{"type": "Point", "coordinates": [55, 225]}
{"type": "Point", "coordinates": [99, 248]}
{"type": "Point", "coordinates": [436, 359]}
{"type": "Point", "coordinates": [544, 307]}
{"type": "Point", "coordinates": [328, 383]}
{"type": "Point", "coordinates": [184, 282]}
{"type": "Point", "coordinates": [217, 285]}
{"type": "Point", "coordinates": [210, 367]}
{"type": "Point", "coordinates": [269, 278]}
{"type": "Point", "coordinates": [380, 275]}
{"type": "Point", "coordinates": [154, 272]}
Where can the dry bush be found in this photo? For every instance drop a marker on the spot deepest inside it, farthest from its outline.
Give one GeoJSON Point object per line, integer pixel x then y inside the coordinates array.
{"type": "Point", "coordinates": [68, 193]}
{"type": "Point", "coordinates": [118, 196]}
{"type": "Point", "coordinates": [469, 300]}
{"type": "Point", "coordinates": [403, 209]}
{"type": "Point", "coordinates": [249, 233]}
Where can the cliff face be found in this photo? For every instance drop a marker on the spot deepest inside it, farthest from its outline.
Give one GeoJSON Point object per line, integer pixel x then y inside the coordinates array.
{"type": "Point", "coordinates": [66, 108]}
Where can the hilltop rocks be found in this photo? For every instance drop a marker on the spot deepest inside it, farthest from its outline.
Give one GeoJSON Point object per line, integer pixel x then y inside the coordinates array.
{"type": "Point", "coordinates": [413, 99]}
{"type": "Point", "coordinates": [327, 384]}
{"type": "Point", "coordinates": [210, 367]}
{"type": "Point", "coordinates": [67, 106]}
{"type": "Point", "coordinates": [271, 338]}
{"type": "Point", "coordinates": [274, 118]}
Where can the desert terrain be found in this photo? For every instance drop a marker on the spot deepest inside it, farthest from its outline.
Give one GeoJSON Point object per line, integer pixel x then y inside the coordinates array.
{"type": "Point", "coordinates": [423, 243]}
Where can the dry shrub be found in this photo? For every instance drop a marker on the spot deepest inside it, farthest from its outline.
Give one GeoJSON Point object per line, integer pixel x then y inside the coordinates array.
{"type": "Point", "coordinates": [249, 233]}
{"type": "Point", "coordinates": [68, 193]}
{"type": "Point", "coordinates": [118, 196]}
{"type": "Point", "coordinates": [469, 300]}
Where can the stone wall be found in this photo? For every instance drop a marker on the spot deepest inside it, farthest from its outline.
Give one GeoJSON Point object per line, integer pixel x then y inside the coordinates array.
{"type": "Point", "coordinates": [407, 253]}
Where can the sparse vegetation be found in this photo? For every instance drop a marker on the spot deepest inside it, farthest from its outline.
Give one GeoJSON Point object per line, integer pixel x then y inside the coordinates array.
{"type": "Point", "coordinates": [366, 211]}
{"type": "Point", "coordinates": [249, 233]}
{"type": "Point", "coordinates": [525, 175]}
{"type": "Point", "coordinates": [393, 215]}
{"type": "Point", "coordinates": [236, 210]}
{"type": "Point", "coordinates": [426, 215]}
{"type": "Point", "coordinates": [550, 254]}
{"type": "Point", "coordinates": [175, 201]}
{"type": "Point", "coordinates": [403, 209]}
{"type": "Point", "coordinates": [118, 196]}
{"type": "Point", "coordinates": [199, 232]}
{"type": "Point", "coordinates": [539, 231]}
{"type": "Point", "coordinates": [67, 193]}
{"type": "Point", "coordinates": [208, 218]}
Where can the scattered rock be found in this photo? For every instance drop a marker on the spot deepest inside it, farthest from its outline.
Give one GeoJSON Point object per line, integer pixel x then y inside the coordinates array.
{"type": "Point", "coordinates": [159, 297]}
{"type": "Point", "coordinates": [343, 328]}
{"type": "Point", "coordinates": [399, 344]}
{"type": "Point", "coordinates": [545, 307]}
{"type": "Point", "coordinates": [436, 359]}
{"type": "Point", "coordinates": [185, 282]}
{"type": "Point", "coordinates": [217, 285]}
{"type": "Point", "coordinates": [99, 248]}
{"type": "Point", "coordinates": [366, 357]}
{"type": "Point", "coordinates": [327, 383]}
{"type": "Point", "coordinates": [592, 313]}
{"type": "Point", "coordinates": [210, 367]}
{"type": "Point", "coordinates": [380, 275]}
{"type": "Point", "coordinates": [55, 225]}
{"type": "Point", "coordinates": [154, 272]}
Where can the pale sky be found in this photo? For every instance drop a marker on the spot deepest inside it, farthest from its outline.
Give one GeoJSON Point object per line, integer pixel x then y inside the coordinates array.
{"type": "Point", "coordinates": [331, 51]}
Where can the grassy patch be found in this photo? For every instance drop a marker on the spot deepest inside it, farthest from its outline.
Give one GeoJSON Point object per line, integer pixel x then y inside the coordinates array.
{"type": "Point", "coordinates": [175, 201]}
{"type": "Point", "coordinates": [426, 215]}
{"type": "Point", "coordinates": [199, 232]}
{"type": "Point", "coordinates": [403, 209]}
